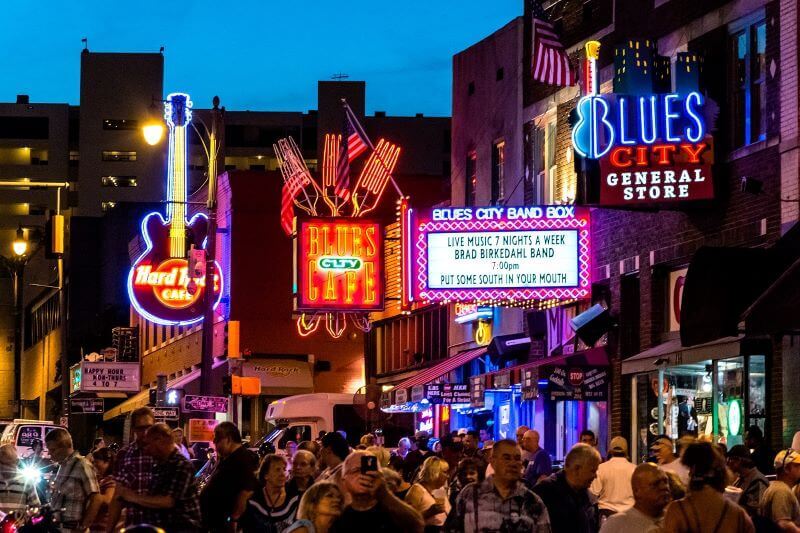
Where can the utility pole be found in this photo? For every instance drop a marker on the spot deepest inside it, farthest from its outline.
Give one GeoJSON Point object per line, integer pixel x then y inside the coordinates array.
{"type": "Point", "coordinates": [214, 156]}
{"type": "Point", "coordinates": [17, 271]}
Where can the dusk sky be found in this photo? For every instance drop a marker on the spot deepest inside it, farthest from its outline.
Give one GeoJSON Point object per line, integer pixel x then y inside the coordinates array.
{"type": "Point", "coordinates": [255, 54]}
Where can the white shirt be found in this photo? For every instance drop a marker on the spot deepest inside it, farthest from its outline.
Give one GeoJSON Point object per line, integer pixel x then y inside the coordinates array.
{"type": "Point", "coordinates": [680, 469]}
{"type": "Point", "coordinates": [613, 484]}
{"type": "Point", "coordinates": [420, 499]}
{"type": "Point", "coordinates": [632, 521]}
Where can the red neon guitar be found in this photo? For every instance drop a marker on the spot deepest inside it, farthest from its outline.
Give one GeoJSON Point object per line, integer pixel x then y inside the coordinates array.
{"type": "Point", "coordinates": [159, 284]}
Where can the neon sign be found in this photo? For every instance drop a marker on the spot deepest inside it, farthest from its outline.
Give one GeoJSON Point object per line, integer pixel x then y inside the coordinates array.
{"type": "Point", "coordinates": [470, 312]}
{"type": "Point", "coordinates": [469, 254]}
{"type": "Point", "coordinates": [339, 265]}
{"type": "Point", "coordinates": [160, 286]}
{"type": "Point", "coordinates": [650, 148]}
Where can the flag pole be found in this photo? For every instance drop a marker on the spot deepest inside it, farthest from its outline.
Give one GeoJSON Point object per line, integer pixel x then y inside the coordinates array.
{"type": "Point", "coordinates": [372, 147]}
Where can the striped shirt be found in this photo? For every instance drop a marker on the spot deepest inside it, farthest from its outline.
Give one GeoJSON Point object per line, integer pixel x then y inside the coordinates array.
{"type": "Point", "coordinates": [260, 516]}
{"type": "Point", "coordinates": [15, 493]}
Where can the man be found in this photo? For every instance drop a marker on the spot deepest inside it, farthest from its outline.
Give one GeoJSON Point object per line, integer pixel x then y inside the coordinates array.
{"type": "Point", "coordinates": [372, 507]}
{"type": "Point", "coordinates": [566, 494]}
{"type": "Point", "coordinates": [761, 453]}
{"type": "Point", "coordinates": [519, 434]}
{"type": "Point", "coordinates": [172, 501]}
{"type": "Point", "coordinates": [225, 496]}
{"type": "Point", "coordinates": [500, 503]}
{"type": "Point", "coordinates": [17, 492]}
{"type": "Point", "coordinates": [484, 435]}
{"type": "Point", "coordinates": [416, 457]}
{"type": "Point", "coordinates": [471, 448]}
{"type": "Point", "coordinates": [664, 452]}
{"type": "Point", "coordinates": [779, 504]}
{"type": "Point", "coordinates": [651, 496]}
{"type": "Point", "coordinates": [540, 465]}
{"type": "Point", "coordinates": [613, 484]}
{"type": "Point", "coordinates": [333, 452]}
{"type": "Point", "coordinates": [403, 447]}
{"type": "Point", "coordinates": [588, 437]}
{"type": "Point", "coordinates": [75, 488]}
{"type": "Point", "coordinates": [749, 480]}
{"type": "Point", "coordinates": [134, 468]}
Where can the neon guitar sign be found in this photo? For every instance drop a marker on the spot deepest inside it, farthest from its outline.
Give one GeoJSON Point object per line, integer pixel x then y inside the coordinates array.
{"type": "Point", "coordinates": [160, 286]}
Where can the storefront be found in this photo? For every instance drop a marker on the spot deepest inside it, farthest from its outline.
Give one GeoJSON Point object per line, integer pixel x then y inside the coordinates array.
{"type": "Point", "coordinates": [714, 390]}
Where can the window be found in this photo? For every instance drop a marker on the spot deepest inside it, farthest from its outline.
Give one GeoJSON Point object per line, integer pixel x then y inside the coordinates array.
{"type": "Point", "coordinates": [116, 155]}
{"type": "Point", "coordinates": [499, 74]}
{"type": "Point", "coordinates": [41, 319]}
{"type": "Point", "coordinates": [24, 127]}
{"type": "Point", "coordinates": [118, 181]}
{"type": "Point", "coordinates": [471, 178]}
{"type": "Point", "coordinates": [748, 91]}
{"type": "Point", "coordinates": [498, 163]}
{"type": "Point", "coordinates": [471, 88]}
{"type": "Point", "coordinates": [120, 124]}
{"type": "Point", "coordinates": [74, 158]}
{"type": "Point", "coordinates": [107, 206]}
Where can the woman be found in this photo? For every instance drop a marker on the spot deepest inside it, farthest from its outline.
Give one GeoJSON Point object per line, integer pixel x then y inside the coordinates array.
{"type": "Point", "coordinates": [705, 509]}
{"type": "Point", "coordinates": [469, 471]}
{"type": "Point", "coordinates": [103, 462]}
{"type": "Point", "coordinates": [304, 466]}
{"type": "Point", "coordinates": [271, 509]}
{"type": "Point", "coordinates": [428, 495]}
{"type": "Point", "coordinates": [319, 507]}
{"type": "Point", "coordinates": [180, 443]}
{"type": "Point", "coordinates": [395, 483]}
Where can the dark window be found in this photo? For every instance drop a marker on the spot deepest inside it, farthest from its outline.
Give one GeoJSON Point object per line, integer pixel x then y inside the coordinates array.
{"type": "Point", "coordinates": [446, 140]}
{"type": "Point", "coordinates": [251, 136]}
{"type": "Point", "coordinates": [258, 167]}
{"type": "Point", "coordinates": [118, 181]}
{"type": "Point", "coordinates": [498, 164]}
{"type": "Point", "coordinates": [24, 127]}
{"type": "Point", "coordinates": [748, 90]}
{"type": "Point", "coordinates": [587, 12]}
{"type": "Point", "coordinates": [41, 319]}
{"type": "Point", "coordinates": [34, 209]}
{"type": "Point", "coordinates": [230, 167]}
{"type": "Point", "coordinates": [120, 124]}
{"type": "Point", "coordinates": [471, 179]}
{"type": "Point", "coordinates": [117, 155]}
{"type": "Point", "coordinates": [499, 74]}
{"type": "Point", "coordinates": [471, 88]}
{"type": "Point", "coordinates": [310, 138]}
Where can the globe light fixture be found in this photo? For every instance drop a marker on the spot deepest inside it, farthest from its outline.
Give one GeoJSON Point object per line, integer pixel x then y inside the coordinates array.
{"type": "Point", "coordinates": [20, 244]}
{"type": "Point", "coordinates": [153, 133]}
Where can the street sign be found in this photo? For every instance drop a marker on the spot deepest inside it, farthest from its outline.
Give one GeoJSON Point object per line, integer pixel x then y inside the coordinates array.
{"type": "Point", "coordinates": [206, 404]}
{"type": "Point", "coordinates": [166, 413]}
{"type": "Point", "coordinates": [201, 430]}
{"type": "Point", "coordinates": [87, 405]}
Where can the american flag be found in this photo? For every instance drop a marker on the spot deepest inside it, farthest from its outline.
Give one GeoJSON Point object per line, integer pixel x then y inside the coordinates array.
{"type": "Point", "coordinates": [291, 187]}
{"type": "Point", "coordinates": [551, 63]}
{"type": "Point", "coordinates": [354, 143]}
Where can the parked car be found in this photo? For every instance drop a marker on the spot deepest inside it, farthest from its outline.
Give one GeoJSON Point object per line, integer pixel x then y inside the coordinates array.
{"type": "Point", "coordinates": [24, 434]}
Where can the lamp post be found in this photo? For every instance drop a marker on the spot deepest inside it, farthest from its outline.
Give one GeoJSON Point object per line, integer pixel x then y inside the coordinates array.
{"type": "Point", "coordinates": [16, 266]}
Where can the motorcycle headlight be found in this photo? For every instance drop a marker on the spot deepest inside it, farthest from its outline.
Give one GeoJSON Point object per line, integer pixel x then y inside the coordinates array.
{"type": "Point", "coordinates": [30, 474]}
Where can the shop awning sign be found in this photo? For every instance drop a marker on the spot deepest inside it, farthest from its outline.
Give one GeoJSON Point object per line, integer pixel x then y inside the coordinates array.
{"type": "Point", "coordinates": [448, 393]}
{"type": "Point", "coordinates": [578, 383]}
{"type": "Point", "coordinates": [401, 396]}
{"type": "Point", "coordinates": [417, 393]}
{"type": "Point", "coordinates": [530, 384]}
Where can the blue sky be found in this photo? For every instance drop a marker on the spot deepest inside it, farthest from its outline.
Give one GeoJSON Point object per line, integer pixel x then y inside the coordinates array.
{"type": "Point", "coordinates": [256, 54]}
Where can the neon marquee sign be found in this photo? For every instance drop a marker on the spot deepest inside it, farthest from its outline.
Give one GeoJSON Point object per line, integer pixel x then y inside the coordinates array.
{"type": "Point", "coordinates": [468, 254]}
{"type": "Point", "coordinates": [339, 264]}
{"type": "Point", "coordinates": [650, 148]}
{"type": "Point", "coordinates": [160, 287]}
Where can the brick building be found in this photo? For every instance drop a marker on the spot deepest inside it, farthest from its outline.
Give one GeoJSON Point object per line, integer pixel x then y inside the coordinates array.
{"type": "Point", "coordinates": [512, 144]}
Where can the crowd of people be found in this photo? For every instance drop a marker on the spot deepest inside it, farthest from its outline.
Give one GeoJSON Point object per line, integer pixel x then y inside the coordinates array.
{"type": "Point", "coordinates": [462, 482]}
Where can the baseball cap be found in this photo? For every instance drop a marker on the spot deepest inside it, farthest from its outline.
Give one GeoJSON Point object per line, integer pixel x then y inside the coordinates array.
{"type": "Point", "coordinates": [619, 444]}
{"type": "Point", "coordinates": [786, 457]}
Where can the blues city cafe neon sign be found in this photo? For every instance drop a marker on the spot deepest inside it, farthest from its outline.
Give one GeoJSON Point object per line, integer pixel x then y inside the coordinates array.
{"type": "Point", "coordinates": [649, 148]}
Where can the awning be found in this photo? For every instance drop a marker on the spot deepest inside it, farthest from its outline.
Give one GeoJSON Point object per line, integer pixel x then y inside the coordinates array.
{"type": "Point", "coordinates": [142, 398]}
{"type": "Point", "coordinates": [671, 353]}
{"type": "Point", "coordinates": [775, 311]}
{"type": "Point", "coordinates": [591, 357]}
{"type": "Point", "coordinates": [448, 365]}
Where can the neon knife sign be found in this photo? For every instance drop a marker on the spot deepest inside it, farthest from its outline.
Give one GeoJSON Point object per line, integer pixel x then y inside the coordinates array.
{"type": "Point", "coordinates": [160, 286]}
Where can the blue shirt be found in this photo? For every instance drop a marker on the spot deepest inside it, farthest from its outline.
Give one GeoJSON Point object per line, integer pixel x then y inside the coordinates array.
{"type": "Point", "coordinates": [540, 465]}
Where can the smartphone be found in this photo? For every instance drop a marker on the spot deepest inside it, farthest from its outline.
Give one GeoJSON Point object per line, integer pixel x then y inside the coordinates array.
{"type": "Point", "coordinates": [369, 463]}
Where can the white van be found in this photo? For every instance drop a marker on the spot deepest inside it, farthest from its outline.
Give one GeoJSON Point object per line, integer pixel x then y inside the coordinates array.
{"type": "Point", "coordinates": [23, 433]}
{"type": "Point", "coordinates": [304, 416]}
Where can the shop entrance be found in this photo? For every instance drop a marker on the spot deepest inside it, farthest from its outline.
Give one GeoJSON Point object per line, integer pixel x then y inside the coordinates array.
{"type": "Point", "coordinates": [572, 417]}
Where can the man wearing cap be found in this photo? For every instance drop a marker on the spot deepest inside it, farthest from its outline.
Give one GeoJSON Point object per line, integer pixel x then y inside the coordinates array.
{"type": "Point", "coordinates": [664, 451]}
{"type": "Point", "coordinates": [613, 483]}
{"type": "Point", "coordinates": [779, 503]}
{"type": "Point", "coordinates": [749, 479]}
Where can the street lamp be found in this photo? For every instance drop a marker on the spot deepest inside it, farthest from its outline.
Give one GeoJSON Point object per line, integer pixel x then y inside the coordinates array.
{"type": "Point", "coordinates": [20, 244]}
{"type": "Point", "coordinates": [153, 133]}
